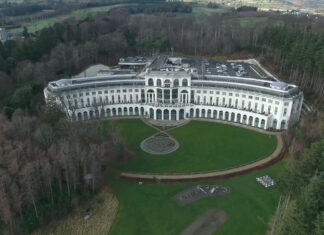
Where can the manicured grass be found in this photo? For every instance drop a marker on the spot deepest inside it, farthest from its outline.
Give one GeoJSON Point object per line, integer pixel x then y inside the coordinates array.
{"type": "Point", "coordinates": [150, 208]}
{"type": "Point", "coordinates": [204, 146]}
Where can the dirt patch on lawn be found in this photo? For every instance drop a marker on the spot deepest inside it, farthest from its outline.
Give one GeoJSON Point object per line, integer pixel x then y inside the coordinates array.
{"type": "Point", "coordinates": [198, 192]}
{"type": "Point", "coordinates": [207, 223]}
{"type": "Point", "coordinates": [97, 221]}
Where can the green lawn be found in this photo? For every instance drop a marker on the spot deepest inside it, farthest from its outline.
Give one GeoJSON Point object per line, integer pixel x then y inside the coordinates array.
{"type": "Point", "coordinates": [150, 209]}
{"type": "Point", "coordinates": [199, 11]}
{"type": "Point", "coordinates": [204, 146]}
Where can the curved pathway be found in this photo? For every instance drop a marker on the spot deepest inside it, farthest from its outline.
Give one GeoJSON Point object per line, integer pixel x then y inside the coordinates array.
{"type": "Point", "coordinates": [276, 156]}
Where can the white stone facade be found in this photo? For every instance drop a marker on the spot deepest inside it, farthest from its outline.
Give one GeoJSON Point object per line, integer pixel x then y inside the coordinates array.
{"type": "Point", "coordinates": [177, 95]}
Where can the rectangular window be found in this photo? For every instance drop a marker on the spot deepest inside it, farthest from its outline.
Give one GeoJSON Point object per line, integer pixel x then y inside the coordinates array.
{"type": "Point", "coordinates": [174, 96]}
{"type": "Point", "coordinates": [276, 111]}
{"type": "Point", "coordinates": [285, 112]}
{"type": "Point", "coordinates": [192, 96]}
{"type": "Point", "coordinates": [159, 94]}
{"type": "Point", "coordinates": [166, 96]}
{"type": "Point", "coordinates": [142, 95]}
{"type": "Point", "coordinates": [99, 92]}
{"type": "Point", "coordinates": [93, 93]}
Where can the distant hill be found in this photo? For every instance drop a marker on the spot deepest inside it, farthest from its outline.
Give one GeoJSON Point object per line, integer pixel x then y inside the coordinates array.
{"type": "Point", "coordinates": [309, 6]}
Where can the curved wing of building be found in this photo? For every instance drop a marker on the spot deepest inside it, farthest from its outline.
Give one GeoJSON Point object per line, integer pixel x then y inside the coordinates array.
{"type": "Point", "coordinates": [173, 88]}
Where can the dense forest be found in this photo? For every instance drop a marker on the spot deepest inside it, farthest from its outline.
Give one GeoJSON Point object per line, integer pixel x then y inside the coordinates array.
{"type": "Point", "coordinates": [40, 149]}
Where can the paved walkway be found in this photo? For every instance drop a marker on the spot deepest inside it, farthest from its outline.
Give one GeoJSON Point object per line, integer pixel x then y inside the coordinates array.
{"type": "Point", "coordinates": [276, 156]}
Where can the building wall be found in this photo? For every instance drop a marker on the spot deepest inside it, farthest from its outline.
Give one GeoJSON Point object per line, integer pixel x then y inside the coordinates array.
{"type": "Point", "coordinates": [169, 98]}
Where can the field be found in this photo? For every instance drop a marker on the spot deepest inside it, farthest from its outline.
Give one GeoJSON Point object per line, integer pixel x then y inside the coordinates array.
{"type": "Point", "coordinates": [150, 208]}
{"type": "Point", "coordinates": [204, 146]}
{"type": "Point", "coordinates": [199, 11]}
{"type": "Point", "coordinates": [78, 14]}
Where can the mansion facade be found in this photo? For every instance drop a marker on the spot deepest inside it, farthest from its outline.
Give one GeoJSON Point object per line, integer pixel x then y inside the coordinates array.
{"type": "Point", "coordinates": [171, 88]}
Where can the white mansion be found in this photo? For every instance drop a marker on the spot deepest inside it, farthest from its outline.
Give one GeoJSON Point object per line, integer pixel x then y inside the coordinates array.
{"type": "Point", "coordinates": [173, 88]}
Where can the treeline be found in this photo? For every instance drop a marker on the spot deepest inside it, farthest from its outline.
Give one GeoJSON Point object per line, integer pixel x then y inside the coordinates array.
{"type": "Point", "coordinates": [22, 9]}
{"type": "Point", "coordinates": [297, 52]}
{"type": "Point", "coordinates": [301, 208]}
{"type": "Point", "coordinates": [50, 166]}
{"type": "Point", "coordinates": [58, 51]}
{"type": "Point", "coordinates": [246, 8]}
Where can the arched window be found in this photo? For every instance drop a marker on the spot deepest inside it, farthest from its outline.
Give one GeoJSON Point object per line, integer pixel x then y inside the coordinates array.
{"type": "Point", "coordinates": [283, 124]}
{"type": "Point", "coordinates": [167, 83]}
{"type": "Point", "coordinates": [184, 82]}
{"type": "Point", "coordinates": [158, 82]}
{"type": "Point", "coordinates": [274, 124]}
{"type": "Point", "coordinates": [176, 83]}
{"type": "Point", "coordinates": [150, 82]}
